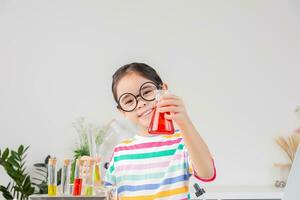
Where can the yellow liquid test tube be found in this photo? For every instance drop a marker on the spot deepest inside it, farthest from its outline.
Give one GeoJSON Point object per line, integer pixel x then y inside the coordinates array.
{"type": "Point", "coordinates": [88, 190]}
{"type": "Point", "coordinates": [89, 184]}
{"type": "Point", "coordinates": [52, 190]}
{"type": "Point", "coordinates": [97, 178]}
{"type": "Point", "coordinates": [52, 182]}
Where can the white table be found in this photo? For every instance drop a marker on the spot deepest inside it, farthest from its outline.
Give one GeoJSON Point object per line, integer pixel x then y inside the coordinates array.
{"type": "Point", "coordinates": [61, 197]}
{"type": "Point", "coordinates": [212, 193]}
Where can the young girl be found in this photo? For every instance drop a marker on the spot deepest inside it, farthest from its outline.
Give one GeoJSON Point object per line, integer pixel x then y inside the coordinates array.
{"type": "Point", "coordinates": [155, 166]}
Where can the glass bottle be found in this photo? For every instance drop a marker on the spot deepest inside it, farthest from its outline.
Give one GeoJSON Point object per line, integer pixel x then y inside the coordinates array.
{"type": "Point", "coordinates": [159, 124]}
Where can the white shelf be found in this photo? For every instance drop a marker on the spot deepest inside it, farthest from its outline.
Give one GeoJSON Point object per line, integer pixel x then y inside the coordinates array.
{"type": "Point", "coordinates": [241, 192]}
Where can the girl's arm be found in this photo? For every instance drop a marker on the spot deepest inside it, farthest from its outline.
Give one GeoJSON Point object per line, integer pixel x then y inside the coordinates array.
{"type": "Point", "coordinates": [198, 151]}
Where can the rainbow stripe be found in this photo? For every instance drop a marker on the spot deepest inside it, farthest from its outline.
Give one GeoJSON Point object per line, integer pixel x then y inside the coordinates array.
{"type": "Point", "coordinates": [155, 167]}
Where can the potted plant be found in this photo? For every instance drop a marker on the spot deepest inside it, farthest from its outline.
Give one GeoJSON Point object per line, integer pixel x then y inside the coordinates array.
{"type": "Point", "coordinates": [13, 161]}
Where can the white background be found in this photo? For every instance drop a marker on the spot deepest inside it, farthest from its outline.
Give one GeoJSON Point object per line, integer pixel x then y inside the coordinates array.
{"type": "Point", "coordinates": [235, 63]}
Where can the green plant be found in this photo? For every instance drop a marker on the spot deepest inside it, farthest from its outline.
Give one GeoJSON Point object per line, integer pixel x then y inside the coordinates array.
{"type": "Point", "coordinates": [82, 129]}
{"type": "Point", "coordinates": [82, 148]}
{"type": "Point", "coordinates": [13, 163]}
{"type": "Point", "coordinates": [81, 151]}
{"type": "Point", "coordinates": [41, 171]}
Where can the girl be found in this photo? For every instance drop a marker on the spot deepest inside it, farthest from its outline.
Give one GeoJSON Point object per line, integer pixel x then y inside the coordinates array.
{"type": "Point", "coordinates": [155, 166]}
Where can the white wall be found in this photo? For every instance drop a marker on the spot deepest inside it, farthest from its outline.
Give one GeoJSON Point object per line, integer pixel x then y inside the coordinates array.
{"type": "Point", "coordinates": [236, 64]}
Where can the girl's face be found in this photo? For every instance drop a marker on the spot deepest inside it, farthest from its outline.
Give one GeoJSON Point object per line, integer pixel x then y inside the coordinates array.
{"type": "Point", "coordinates": [141, 115]}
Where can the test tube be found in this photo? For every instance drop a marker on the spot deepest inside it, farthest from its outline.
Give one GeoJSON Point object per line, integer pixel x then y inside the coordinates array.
{"type": "Point", "coordinates": [65, 177]}
{"type": "Point", "coordinates": [94, 155]}
{"type": "Point", "coordinates": [97, 176]}
{"type": "Point", "coordinates": [78, 178]}
{"type": "Point", "coordinates": [52, 182]}
{"type": "Point", "coordinates": [89, 179]}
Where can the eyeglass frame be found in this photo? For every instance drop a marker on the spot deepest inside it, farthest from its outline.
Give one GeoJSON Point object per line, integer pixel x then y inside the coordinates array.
{"type": "Point", "coordinates": [158, 87]}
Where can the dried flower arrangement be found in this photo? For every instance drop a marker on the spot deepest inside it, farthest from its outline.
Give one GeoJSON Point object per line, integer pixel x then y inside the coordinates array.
{"type": "Point", "coordinates": [290, 144]}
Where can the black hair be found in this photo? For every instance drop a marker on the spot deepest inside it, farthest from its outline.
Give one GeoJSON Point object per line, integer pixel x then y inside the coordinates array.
{"type": "Point", "coordinates": [141, 68]}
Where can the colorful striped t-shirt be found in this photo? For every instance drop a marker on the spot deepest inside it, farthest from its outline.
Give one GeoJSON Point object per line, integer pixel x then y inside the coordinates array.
{"type": "Point", "coordinates": [151, 167]}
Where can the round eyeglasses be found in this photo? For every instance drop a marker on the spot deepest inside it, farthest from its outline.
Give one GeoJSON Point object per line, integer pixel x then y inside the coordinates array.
{"type": "Point", "coordinates": [128, 101]}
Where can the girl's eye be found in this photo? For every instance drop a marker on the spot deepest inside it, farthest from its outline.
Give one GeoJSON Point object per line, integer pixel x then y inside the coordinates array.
{"type": "Point", "coordinates": [128, 102]}
{"type": "Point", "coordinates": [147, 92]}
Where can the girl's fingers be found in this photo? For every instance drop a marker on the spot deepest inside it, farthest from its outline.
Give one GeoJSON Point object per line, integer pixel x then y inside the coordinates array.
{"type": "Point", "coordinates": [174, 109]}
{"type": "Point", "coordinates": [169, 116]}
{"type": "Point", "coordinates": [169, 96]}
{"type": "Point", "coordinates": [168, 102]}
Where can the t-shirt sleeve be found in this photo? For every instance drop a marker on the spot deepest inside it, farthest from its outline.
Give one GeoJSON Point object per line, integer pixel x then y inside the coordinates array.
{"type": "Point", "coordinates": [110, 177]}
{"type": "Point", "coordinates": [190, 168]}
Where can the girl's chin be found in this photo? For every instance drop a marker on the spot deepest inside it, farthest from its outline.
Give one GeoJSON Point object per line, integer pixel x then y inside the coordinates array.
{"type": "Point", "coordinates": [144, 123]}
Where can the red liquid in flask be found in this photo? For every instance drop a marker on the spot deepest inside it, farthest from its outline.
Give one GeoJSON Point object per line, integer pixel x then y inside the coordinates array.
{"type": "Point", "coordinates": [77, 186]}
{"type": "Point", "coordinates": [159, 124]}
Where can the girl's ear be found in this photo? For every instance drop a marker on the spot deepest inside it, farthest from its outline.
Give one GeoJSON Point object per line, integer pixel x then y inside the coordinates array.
{"type": "Point", "coordinates": [165, 86]}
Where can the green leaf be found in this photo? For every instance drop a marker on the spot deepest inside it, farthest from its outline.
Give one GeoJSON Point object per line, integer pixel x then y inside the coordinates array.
{"type": "Point", "coordinates": [5, 154]}
{"type": "Point", "coordinates": [14, 193]}
{"type": "Point", "coordinates": [23, 157]}
{"type": "Point", "coordinates": [23, 168]}
{"type": "Point", "coordinates": [17, 188]}
{"type": "Point", "coordinates": [73, 165]}
{"type": "Point", "coordinates": [41, 170]}
{"type": "Point", "coordinates": [27, 181]}
{"type": "Point", "coordinates": [37, 179]}
{"type": "Point", "coordinates": [26, 149]}
{"type": "Point", "coordinates": [16, 176]}
{"type": "Point", "coordinates": [13, 162]}
{"type": "Point", "coordinates": [17, 195]}
{"type": "Point", "coordinates": [20, 149]}
{"type": "Point", "coordinates": [5, 193]}
{"type": "Point", "coordinates": [42, 187]}
{"type": "Point", "coordinates": [47, 159]}
{"type": "Point", "coordinates": [37, 185]}
{"type": "Point", "coordinates": [40, 165]}
{"type": "Point", "coordinates": [31, 191]}
{"type": "Point", "coordinates": [15, 155]}
{"type": "Point", "coordinates": [8, 185]}
{"type": "Point", "coordinates": [59, 176]}
{"type": "Point", "coordinates": [12, 189]}
{"type": "Point", "coordinates": [39, 173]}
{"type": "Point", "coordinates": [13, 174]}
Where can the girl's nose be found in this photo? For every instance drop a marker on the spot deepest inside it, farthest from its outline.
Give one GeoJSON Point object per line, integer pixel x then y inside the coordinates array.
{"type": "Point", "coordinates": [141, 103]}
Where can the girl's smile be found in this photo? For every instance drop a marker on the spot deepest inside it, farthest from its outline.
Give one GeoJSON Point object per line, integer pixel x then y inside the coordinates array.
{"type": "Point", "coordinates": [145, 113]}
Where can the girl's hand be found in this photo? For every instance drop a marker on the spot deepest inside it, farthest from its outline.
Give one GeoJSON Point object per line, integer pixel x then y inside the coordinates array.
{"type": "Point", "coordinates": [175, 105]}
